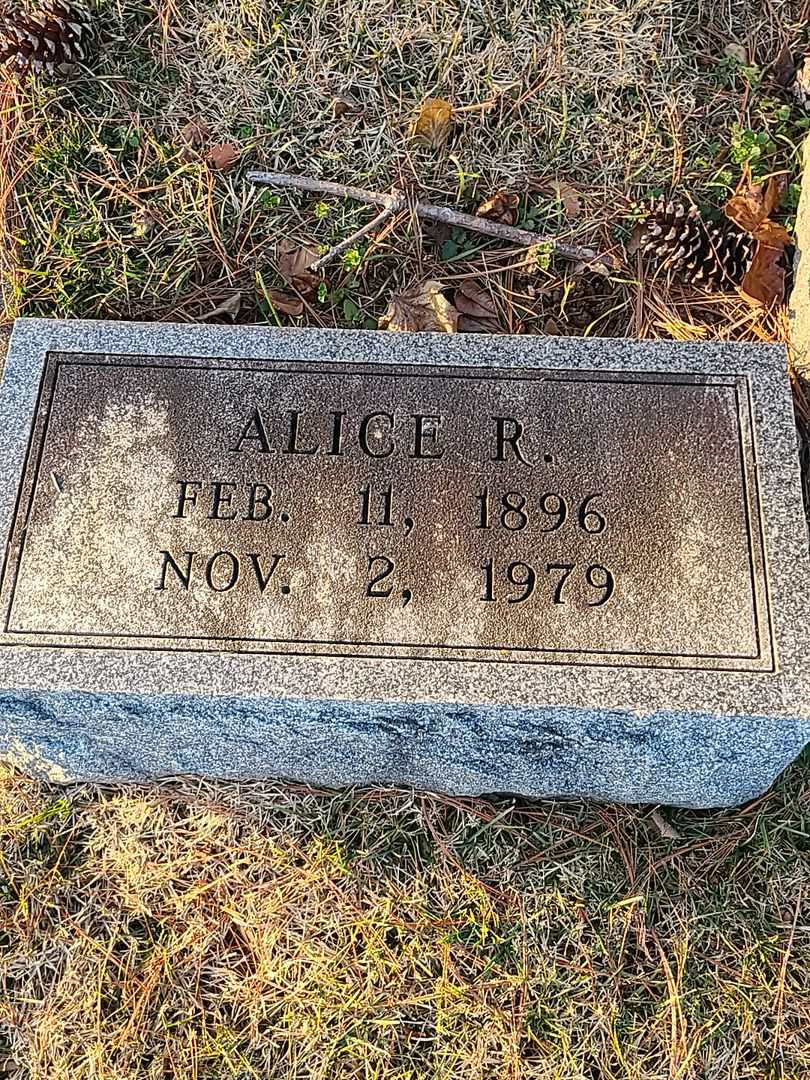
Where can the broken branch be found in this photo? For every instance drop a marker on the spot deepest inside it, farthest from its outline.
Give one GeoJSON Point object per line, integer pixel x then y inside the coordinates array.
{"type": "Point", "coordinates": [397, 202]}
{"type": "Point", "coordinates": [344, 245]}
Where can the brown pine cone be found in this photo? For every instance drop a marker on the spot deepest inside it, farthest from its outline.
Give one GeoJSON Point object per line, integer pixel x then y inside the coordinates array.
{"type": "Point", "coordinates": [45, 40]}
{"type": "Point", "coordinates": [686, 246]}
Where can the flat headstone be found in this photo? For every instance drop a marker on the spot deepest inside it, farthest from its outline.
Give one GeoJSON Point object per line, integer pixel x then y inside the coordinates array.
{"type": "Point", "coordinates": [463, 563]}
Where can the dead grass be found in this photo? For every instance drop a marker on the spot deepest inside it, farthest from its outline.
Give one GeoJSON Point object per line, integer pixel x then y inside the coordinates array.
{"type": "Point", "coordinates": [212, 931]}
{"type": "Point", "coordinates": [618, 99]}
{"type": "Point", "coordinates": [202, 931]}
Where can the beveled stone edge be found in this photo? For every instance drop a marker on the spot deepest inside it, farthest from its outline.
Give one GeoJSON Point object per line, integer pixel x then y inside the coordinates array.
{"type": "Point", "coordinates": [416, 680]}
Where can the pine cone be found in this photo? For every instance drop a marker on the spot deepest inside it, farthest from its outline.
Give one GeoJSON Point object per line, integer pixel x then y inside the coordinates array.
{"type": "Point", "coordinates": [698, 251]}
{"type": "Point", "coordinates": [46, 39]}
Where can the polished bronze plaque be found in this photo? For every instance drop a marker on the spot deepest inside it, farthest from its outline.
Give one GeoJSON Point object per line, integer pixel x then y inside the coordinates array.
{"type": "Point", "coordinates": [406, 511]}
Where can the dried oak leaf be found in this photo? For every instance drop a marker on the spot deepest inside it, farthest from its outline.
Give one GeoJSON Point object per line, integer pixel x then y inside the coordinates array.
{"type": "Point", "coordinates": [143, 222]}
{"type": "Point", "coordinates": [764, 281]}
{"type": "Point", "coordinates": [194, 134]}
{"type": "Point", "coordinates": [501, 207]}
{"type": "Point", "coordinates": [665, 828]}
{"type": "Point", "coordinates": [228, 309]}
{"type": "Point", "coordinates": [751, 204]}
{"type": "Point", "coordinates": [476, 308]}
{"type": "Point", "coordinates": [569, 199]}
{"type": "Point", "coordinates": [294, 261]}
{"type": "Point", "coordinates": [223, 155]}
{"type": "Point", "coordinates": [433, 124]}
{"type": "Point", "coordinates": [423, 307]}
{"type": "Point", "coordinates": [283, 302]}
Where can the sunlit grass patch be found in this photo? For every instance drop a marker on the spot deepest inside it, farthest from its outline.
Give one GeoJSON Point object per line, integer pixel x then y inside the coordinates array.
{"type": "Point", "coordinates": [227, 930]}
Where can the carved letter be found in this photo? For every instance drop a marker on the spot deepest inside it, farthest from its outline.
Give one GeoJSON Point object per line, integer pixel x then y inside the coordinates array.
{"type": "Point", "coordinates": [511, 437]}
{"type": "Point", "coordinates": [362, 438]}
{"type": "Point", "coordinates": [292, 445]}
{"type": "Point", "coordinates": [187, 496]}
{"type": "Point", "coordinates": [261, 578]}
{"type": "Point", "coordinates": [254, 431]}
{"type": "Point", "coordinates": [256, 500]}
{"type": "Point", "coordinates": [184, 576]}
{"type": "Point", "coordinates": [425, 432]}
{"type": "Point", "coordinates": [209, 571]}
{"type": "Point", "coordinates": [221, 499]}
{"type": "Point", "coordinates": [337, 433]}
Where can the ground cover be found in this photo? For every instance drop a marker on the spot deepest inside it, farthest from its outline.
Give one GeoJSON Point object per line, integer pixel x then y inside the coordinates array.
{"type": "Point", "coordinates": [200, 930]}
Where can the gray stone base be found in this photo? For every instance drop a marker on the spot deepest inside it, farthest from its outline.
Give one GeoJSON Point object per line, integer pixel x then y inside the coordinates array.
{"type": "Point", "coordinates": [683, 760]}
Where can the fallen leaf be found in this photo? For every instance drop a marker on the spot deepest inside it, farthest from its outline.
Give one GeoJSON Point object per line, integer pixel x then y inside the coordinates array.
{"type": "Point", "coordinates": [228, 308]}
{"type": "Point", "coordinates": [283, 302]}
{"type": "Point", "coordinates": [476, 308]}
{"type": "Point", "coordinates": [294, 261]}
{"type": "Point", "coordinates": [637, 237]}
{"type": "Point", "coordinates": [223, 155]}
{"type": "Point", "coordinates": [737, 52]}
{"type": "Point", "coordinates": [667, 831]}
{"type": "Point", "coordinates": [604, 265]}
{"type": "Point", "coordinates": [195, 133]}
{"type": "Point", "coordinates": [143, 221]}
{"type": "Point", "coordinates": [434, 122]}
{"type": "Point", "coordinates": [502, 207]}
{"type": "Point", "coordinates": [783, 67]}
{"type": "Point", "coordinates": [345, 105]}
{"type": "Point", "coordinates": [800, 87]}
{"type": "Point", "coordinates": [751, 204]}
{"type": "Point", "coordinates": [569, 198]}
{"type": "Point", "coordinates": [764, 281]}
{"type": "Point", "coordinates": [422, 307]}
{"type": "Point", "coordinates": [472, 300]}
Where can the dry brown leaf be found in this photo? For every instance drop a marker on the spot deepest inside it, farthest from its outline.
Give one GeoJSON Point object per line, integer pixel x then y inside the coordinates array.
{"type": "Point", "coordinates": [223, 155]}
{"type": "Point", "coordinates": [143, 222]}
{"type": "Point", "coordinates": [476, 308]}
{"type": "Point", "coordinates": [472, 300]}
{"type": "Point", "coordinates": [283, 302]}
{"type": "Point", "coordinates": [345, 105]}
{"type": "Point", "coordinates": [294, 261]}
{"type": "Point", "coordinates": [667, 830]}
{"type": "Point", "coordinates": [751, 204]}
{"type": "Point", "coordinates": [764, 281]}
{"type": "Point", "coordinates": [782, 68]}
{"type": "Point", "coordinates": [434, 122]}
{"type": "Point", "coordinates": [229, 309]}
{"type": "Point", "coordinates": [737, 52]}
{"type": "Point", "coordinates": [502, 207]}
{"type": "Point", "coordinates": [569, 198]}
{"type": "Point", "coordinates": [194, 135]}
{"type": "Point", "coordinates": [422, 307]}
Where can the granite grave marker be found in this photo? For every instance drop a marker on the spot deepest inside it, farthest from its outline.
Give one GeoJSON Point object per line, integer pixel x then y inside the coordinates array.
{"type": "Point", "coordinates": [549, 566]}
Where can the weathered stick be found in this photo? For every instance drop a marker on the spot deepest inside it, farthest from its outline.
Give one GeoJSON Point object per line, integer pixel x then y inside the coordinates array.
{"type": "Point", "coordinates": [344, 245]}
{"type": "Point", "coordinates": [398, 202]}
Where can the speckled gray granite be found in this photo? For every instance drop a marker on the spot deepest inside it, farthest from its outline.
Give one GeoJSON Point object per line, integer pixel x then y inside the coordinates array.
{"type": "Point", "coordinates": [193, 582]}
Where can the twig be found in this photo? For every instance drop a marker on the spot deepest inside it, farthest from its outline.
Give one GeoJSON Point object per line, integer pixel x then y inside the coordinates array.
{"type": "Point", "coordinates": [344, 245]}
{"type": "Point", "coordinates": [397, 202]}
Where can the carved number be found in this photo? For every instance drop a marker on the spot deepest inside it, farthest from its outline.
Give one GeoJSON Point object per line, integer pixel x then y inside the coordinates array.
{"type": "Point", "coordinates": [367, 497]}
{"type": "Point", "coordinates": [380, 575]}
{"type": "Point", "coordinates": [511, 513]}
{"type": "Point", "coordinates": [523, 578]}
